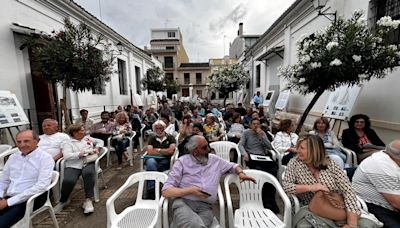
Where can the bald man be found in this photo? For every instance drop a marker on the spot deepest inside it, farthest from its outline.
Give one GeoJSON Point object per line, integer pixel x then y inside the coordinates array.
{"type": "Point", "coordinates": [376, 181]}
{"type": "Point", "coordinates": [52, 140]}
{"type": "Point", "coordinates": [26, 173]}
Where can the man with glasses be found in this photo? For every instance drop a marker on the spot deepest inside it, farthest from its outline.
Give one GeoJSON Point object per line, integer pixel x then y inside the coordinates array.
{"type": "Point", "coordinates": [103, 129]}
{"type": "Point", "coordinates": [193, 182]}
{"type": "Point", "coordinates": [160, 148]}
{"type": "Point", "coordinates": [254, 146]}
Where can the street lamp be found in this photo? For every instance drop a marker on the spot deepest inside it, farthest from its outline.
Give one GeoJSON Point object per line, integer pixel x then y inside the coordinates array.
{"type": "Point", "coordinates": [319, 4]}
{"type": "Point", "coordinates": [119, 47]}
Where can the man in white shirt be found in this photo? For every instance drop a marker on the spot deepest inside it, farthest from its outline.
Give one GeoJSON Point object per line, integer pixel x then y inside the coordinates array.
{"type": "Point", "coordinates": [376, 181]}
{"type": "Point", "coordinates": [26, 173]}
{"type": "Point", "coordinates": [52, 140]}
{"type": "Point", "coordinates": [85, 120]}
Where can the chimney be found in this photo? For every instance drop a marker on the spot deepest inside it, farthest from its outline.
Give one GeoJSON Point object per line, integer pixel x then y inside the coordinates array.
{"type": "Point", "coordinates": [240, 31]}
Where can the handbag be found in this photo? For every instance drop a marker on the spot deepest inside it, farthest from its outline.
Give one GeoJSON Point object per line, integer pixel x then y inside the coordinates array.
{"type": "Point", "coordinates": [90, 158]}
{"type": "Point", "coordinates": [328, 205]}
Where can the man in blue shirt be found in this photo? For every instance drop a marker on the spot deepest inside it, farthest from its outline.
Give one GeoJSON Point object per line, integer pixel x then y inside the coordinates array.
{"type": "Point", "coordinates": [257, 99]}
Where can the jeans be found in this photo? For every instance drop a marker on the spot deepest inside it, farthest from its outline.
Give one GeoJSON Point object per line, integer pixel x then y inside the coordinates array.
{"type": "Point", "coordinates": [156, 164]}
{"type": "Point", "coordinates": [120, 145]}
{"type": "Point", "coordinates": [12, 214]}
{"type": "Point", "coordinates": [71, 176]}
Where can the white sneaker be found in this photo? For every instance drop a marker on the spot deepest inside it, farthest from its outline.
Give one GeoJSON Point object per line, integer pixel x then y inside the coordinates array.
{"type": "Point", "coordinates": [58, 208]}
{"type": "Point", "coordinates": [88, 207]}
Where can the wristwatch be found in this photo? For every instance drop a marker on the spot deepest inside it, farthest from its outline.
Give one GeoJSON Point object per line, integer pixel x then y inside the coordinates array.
{"type": "Point", "coordinates": [159, 150]}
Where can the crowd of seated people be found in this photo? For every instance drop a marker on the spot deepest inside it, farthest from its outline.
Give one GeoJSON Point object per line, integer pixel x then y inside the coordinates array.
{"type": "Point", "coordinates": [312, 160]}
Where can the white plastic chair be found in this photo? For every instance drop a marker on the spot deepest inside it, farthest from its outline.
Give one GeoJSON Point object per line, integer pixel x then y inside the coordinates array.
{"type": "Point", "coordinates": [26, 221]}
{"type": "Point", "coordinates": [141, 139]}
{"type": "Point", "coordinates": [144, 213]}
{"type": "Point", "coordinates": [4, 147]}
{"type": "Point", "coordinates": [351, 156]}
{"type": "Point", "coordinates": [222, 149]}
{"type": "Point", "coordinates": [215, 224]}
{"type": "Point", "coordinates": [4, 155]}
{"type": "Point", "coordinates": [251, 212]}
{"type": "Point", "coordinates": [129, 149]}
{"type": "Point", "coordinates": [99, 171]}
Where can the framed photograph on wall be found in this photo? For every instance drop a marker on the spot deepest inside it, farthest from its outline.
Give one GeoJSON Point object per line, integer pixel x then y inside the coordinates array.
{"type": "Point", "coordinates": [268, 98]}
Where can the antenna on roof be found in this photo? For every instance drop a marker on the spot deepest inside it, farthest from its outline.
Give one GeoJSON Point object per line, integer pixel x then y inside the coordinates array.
{"type": "Point", "coordinates": [100, 9]}
{"type": "Point", "coordinates": [166, 23]}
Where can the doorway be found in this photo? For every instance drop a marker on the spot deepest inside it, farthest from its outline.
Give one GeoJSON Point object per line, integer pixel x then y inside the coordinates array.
{"type": "Point", "coordinates": [45, 94]}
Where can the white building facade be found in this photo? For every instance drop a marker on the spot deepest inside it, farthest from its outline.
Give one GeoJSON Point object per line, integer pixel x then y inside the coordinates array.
{"type": "Point", "coordinates": [19, 19]}
{"type": "Point", "coordinates": [379, 98]}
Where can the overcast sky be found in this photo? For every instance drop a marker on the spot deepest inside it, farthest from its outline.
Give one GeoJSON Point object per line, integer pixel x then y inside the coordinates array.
{"type": "Point", "coordinates": [208, 26]}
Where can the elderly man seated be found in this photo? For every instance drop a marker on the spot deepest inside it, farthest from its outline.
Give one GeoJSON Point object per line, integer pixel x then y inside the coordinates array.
{"type": "Point", "coordinates": [193, 182]}
{"type": "Point", "coordinates": [254, 146]}
{"type": "Point", "coordinates": [376, 181]}
{"type": "Point", "coordinates": [26, 173]}
{"type": "Point", "coordinates": [159, 151]}
{"type": "Point", "coordinates": [52, 140]}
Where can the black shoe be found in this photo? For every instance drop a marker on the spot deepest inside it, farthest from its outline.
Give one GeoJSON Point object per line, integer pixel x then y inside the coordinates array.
{"type": "Point", "coordinates": [150, 194]}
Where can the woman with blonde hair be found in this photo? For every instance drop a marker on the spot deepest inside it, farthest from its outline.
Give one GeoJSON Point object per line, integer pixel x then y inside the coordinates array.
{"type": "Point", "coordinates": [120, 140]}
{"type": "Point", "coordinates": [331, 143]}
{"type": "Point", "coordinates": [312, 172]}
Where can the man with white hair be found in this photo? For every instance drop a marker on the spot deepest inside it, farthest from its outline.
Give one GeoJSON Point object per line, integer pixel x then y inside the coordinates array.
{"type": "Point", "coordinates": [193, 182]}
{"type": "Point", "coordinates": [376, 181]}
{"type": "Point", "coordinates": [52, 140]}
{"type": "Point", "coordinates": [160, 148]}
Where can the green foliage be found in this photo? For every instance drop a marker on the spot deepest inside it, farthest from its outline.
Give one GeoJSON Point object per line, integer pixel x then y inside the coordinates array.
{"type": "Point", "coordinates": [71, 57]}
{"type": "Point", "coordinates": [346, 53]}
{"type": "Point", "coordinates": [172, 87]}
{"type": "Point", "coordinates": [154, 80]}
{"type": "Point", "coordinates": [229, 79]}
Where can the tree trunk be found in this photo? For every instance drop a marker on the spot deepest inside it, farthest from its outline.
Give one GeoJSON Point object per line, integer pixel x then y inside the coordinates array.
{"type": "Point", "coordinates": [65, 109]}
{"type": "Point", "coordinates": [308, 109]}
{"type": "Point", "coordinates": [225, 96]}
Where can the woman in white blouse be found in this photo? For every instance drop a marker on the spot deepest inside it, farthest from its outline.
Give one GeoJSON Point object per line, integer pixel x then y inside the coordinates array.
{"type": "Point", "coordinates": [285, 140]}
{"type": "Point", "coordinates": [75, 151]}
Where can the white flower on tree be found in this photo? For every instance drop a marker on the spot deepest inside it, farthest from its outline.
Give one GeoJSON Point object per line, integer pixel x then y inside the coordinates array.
{"type": "Point", "coordinates": [357, 58]}
{"type": "Point", "coordinates": [315, 65]}
{"type": "Point", "coordinates": [335, 62]}
{"type": "Point", "coordinates": [347, 52]}
{"type": "Point", "coordinates": [331, 45]}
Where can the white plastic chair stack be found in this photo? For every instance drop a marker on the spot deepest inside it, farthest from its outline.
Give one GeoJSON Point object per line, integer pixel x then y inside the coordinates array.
{"type": "Point", "coordinates": [129, 149]}
{"type": "Point", "coordinates": [222, 149]}
{"type": "Point", "coordinates": [99, 171]}
{"type": "Point", "coordinates": [26, 221]}
{"type": "Point", "coordinates": [5, 154]}
{"type": "Point", "coordinates": [144, 213]}
{"type": "Point", "coordinates": [215, 224]}
{"type": "Point", "coordinates": [251, 212]}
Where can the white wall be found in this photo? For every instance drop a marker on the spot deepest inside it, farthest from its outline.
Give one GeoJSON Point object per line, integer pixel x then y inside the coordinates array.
{"type": "Point", "coordinates": [378, 98]}
{"type": "Point", "coordinates": [47, 16]}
